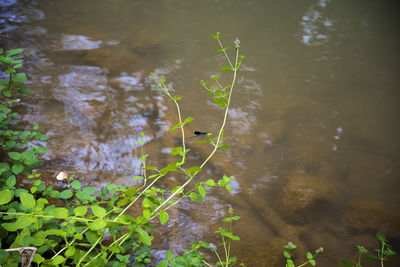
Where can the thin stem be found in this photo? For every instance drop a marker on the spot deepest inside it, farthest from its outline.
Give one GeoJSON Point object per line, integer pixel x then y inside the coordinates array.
{"type": "Point", "coordinates": [219, 133]}
{"type": "Point", "coordinates": [381, 256]}
{"type": "Point", "coordinates": [216, 253]}
{"type": "Point", "coordinates": [226, 253]}
{"type": "Point", "coordinates": [87, 253]}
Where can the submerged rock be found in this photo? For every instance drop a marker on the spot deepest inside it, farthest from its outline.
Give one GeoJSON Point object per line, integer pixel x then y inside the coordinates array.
{"type": "Point", "coordinates": [264, 254]}
{"type": "Point", "coordinates": [373, 215]}
{"type": "Point", "coordinates": [302, 193]}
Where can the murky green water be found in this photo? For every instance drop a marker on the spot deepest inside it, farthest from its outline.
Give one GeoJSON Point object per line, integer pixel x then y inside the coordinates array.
{"type": "Point", "coordinates": [314, 126]}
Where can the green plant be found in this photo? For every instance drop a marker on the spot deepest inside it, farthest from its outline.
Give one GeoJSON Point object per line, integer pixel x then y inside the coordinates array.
{"type": "Point", "coordinates": [310, 257]}
{"type": "Point", "coordinates": [12, 140]}
{"type": "Point", "coordinates": [78, 225]}
{"type": "Point", "coordinates": [382, 254]}
{"type": "Point", "coordinates": [194, 257]}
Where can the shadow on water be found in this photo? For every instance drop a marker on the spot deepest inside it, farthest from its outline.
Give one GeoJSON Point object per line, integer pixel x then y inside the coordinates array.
{"type": "Point", "coordinates": [313, 128]}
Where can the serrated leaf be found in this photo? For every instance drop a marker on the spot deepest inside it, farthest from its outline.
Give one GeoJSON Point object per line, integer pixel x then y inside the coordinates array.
{"type": "Point", "coordinates": [98, 211]}
{"type": "Point", "coordinates": [27, 200]}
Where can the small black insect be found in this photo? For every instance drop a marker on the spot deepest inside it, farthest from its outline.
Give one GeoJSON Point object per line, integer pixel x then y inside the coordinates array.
{"type": "Point", "coordinates": [197, 134]}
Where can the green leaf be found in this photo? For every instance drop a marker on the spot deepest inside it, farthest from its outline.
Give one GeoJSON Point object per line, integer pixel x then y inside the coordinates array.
{"type": "Point", "coordinates": [191, 171]}
{"type": "Point", "coordinates": [58, 260]}
{"type": "Point", "coordinates": [220, 101]}
{"type": "Point", "coordinates": [195, 197]}
{"type": "Point", "coordinates": [163, 263]}
{"type": "Point", "coordinates": [27, 200]}
{"type": "Point", "coordinates": [176, 150]}
{"type": "Point", "coordinates": [226, 68]}
{"type": "Point", "coordinates": [38, 259]}
{"type": "Point", "coordinates": [224, 146]}
{"type": "Point", "coordinates": [98, 211]}
{"type": "Point", "coordinates": [381, 237]}
{"type": "Point", "coordinates": [144, 237]}
{"type": "Point", "coordinates": [17, 168]}
{"type": "Point", "coordinates": [287, 255]}
{"type": "Point", "coordinates": [56, 232]}
{"type": "Point", "coordinates": [169, 255]}
{"type": "Point", "coordinates": [42, 149]}
{"type": "Point", "coordinates": [5, 196]}
{"type": "Point", "coordinates": [66, 194]}
{"type": "Point", "coordinates": [98, 224]}
{"type": "Point", "coordinates": [177, 189]}
{"type": "Point", "coordinates": [14, 52]}
{"type": "Point", "coordinates": [309, 255]}
{"type": "Point", "coordinates": [202, 191]}
{"type": "Point", "coordinates": [20, 77]}
{"type": "Point", "coordinates": [164, 216]}
{"type": "Point", "coordinates": [25, 91]}
{"type": "Point", "coordinates": [70, 252]}
{"type": "Point", "coordinates": [209, 182]}
{"type": "Point", "coordinates": [59, 213]}
{"type": "Point", "coordinates": [14, 155]}
{"type": "Point", "coordinates": [188, 120]}
{"type": "Point", "coordinates": [76, 184]}
{"type": "Point", "coordinates": [10, 227]}
{"type": "Point", "coordinates": [228, 187]}
{"type": "Point", "coordinates": [313, 262]}
{"type": "Point", "coordinates": [11, 181]}
{"type": "Point", "coordinates": [24, 221]}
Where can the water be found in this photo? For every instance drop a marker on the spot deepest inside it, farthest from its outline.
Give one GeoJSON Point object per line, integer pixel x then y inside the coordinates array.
{"type": "Point", "coordinates": [313, 128]}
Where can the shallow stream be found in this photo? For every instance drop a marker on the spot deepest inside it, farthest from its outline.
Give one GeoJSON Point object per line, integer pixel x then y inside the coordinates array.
{"type": "Point", "coordinates": [314, 126]}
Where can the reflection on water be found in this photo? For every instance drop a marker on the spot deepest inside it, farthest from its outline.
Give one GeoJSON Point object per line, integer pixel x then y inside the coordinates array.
{"type": "Point", "coordinates": [315, 25]}
{"type": "Point", "coordinates": [313, 128]}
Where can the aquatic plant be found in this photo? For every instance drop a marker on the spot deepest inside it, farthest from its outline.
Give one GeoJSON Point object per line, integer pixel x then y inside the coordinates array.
{"type": "Point", "coordinates": [84, 226]}
{"type": "Point", "coordinates": [382, 254]}
{"type": "Point", "coordinates": [310, 256]}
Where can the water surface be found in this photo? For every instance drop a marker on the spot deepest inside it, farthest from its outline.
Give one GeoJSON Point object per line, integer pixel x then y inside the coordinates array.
{"type": "Point", "coordinates": [314, 127]}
